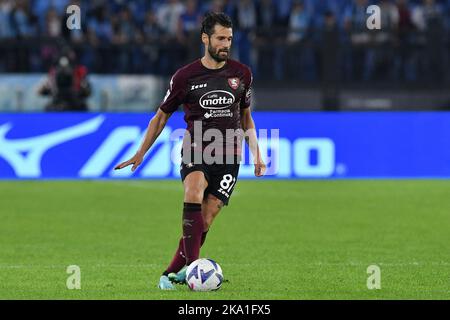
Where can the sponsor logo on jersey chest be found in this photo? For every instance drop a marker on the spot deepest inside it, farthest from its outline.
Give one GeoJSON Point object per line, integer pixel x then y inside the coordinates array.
{"type": "Point", "coordinates": [217, 99]}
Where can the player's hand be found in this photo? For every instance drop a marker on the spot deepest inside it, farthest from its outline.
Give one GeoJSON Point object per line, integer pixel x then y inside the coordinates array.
{"type": "Point", "coordinates": [136, 160]}
{"type": "Point", "coordinates": [260, 168]}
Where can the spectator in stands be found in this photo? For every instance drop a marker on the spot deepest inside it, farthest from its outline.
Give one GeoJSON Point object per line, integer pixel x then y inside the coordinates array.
{"type": "Point", "coordinates": [299, 23]}
{"type": "Point", "coordinates": [168, 16]}
{"type": "Point", "coordinates": [67, 84]}
{"type": "Point", "coordinates": [138, 9]}
{"type": "Point", "coordinates": [427, 15]}
{"type": "Point", "coordinates": [6, 28]}
{"type": "Point", "coordinates": [188, 28]}
{"type": "Point", "coordinates": [40, 7]}
{"type": "Point", "coordinates": [329, 61]}
{"type": "Point", "coordinates": [227, 6]}
{"type": "Point", "coordinates": [266, 15]}
{"type": "Point", "coordinates": [320, 9]}
{"type": "Point", "coordinates": [100, 35]}
{"type": "Point", "coordinates": [24, 25]}
{"type": "Point", "coordinates": [404, 69]}
{"type": "Point", "coordinates": [123, 37]}
{"type": "Point", "coordinates": [299, 53]}
{"type": "Point", "coordinates": [52, 29]}
{"type": "Point", "coordinates": [447, 16]}
{"type": "Point", "coordinates": [245, 26]}
{"type": "Point", "coordinates": [119, 36]}
{"type": "Point", "coordinates": [53, 24]}
{"type": "Point", "coordinates": [360, 57]}
{"type": "Point", "coordinates": [404, 17]}
{"type": "Point", "coordinates": [283, 12]}
{"type": "Point", "coordinates": [149, 43]}
{"type": "Point", "coordinates": [389, 21]}
{"type": "Point", "coordinates": [99, 26]}
{"type": "Point", "coordinates": [6, 34]}
{"type": "Point", "coordinates": [355, 21]}
{"type": "Point", "coordinates": [171, 50]}
{"type": "Point", "coordinates": [268, 41]}
{"type": "Point", "coordinates": [383, 67]}
{"type": "Point", "coordinates": [428, 19]}
{"type": "Point", "coordinates": [24, 22]}
{"type": "Point", "coordinates": [189, 21]}
{"type": "Point", "coordinates": [151, 29]}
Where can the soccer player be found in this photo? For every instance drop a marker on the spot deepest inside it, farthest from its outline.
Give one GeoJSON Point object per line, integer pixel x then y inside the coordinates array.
{"type": "Point", "coordinates": [215, 92]}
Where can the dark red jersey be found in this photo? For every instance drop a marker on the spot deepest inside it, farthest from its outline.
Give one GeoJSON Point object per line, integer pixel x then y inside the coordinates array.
{"type": "Point", "coordinates": [212, 98]}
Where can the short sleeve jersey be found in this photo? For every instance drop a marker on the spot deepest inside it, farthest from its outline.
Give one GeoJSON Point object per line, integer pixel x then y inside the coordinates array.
{"type": "Point", "coordinates": [212, 97]}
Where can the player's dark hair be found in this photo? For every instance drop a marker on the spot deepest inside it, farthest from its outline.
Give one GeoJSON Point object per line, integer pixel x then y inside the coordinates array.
{"type": "Point", "coordinates": [213, 18]}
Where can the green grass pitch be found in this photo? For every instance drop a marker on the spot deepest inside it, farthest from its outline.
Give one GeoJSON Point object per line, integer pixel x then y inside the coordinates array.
{"type": "Point", "coordinates": [276, 240]}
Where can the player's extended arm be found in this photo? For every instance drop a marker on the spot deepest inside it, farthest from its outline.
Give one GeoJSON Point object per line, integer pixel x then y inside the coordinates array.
{"type": "Point", "coordinates": [154, 129]}
{"type": "Point", "coordinates": [249, 127]}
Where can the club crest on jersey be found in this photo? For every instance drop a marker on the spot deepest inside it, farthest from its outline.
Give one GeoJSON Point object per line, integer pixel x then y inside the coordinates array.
{"type": "Point", "coordinates": [234, 83]}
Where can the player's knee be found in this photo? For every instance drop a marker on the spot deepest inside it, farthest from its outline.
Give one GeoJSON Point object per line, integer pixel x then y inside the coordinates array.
{"type": "Point", "coordinates": [193, 194]}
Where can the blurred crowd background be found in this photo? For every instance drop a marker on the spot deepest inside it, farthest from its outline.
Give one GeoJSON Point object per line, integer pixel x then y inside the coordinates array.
{"type": "Point", "coordinates": [303, 40]}
{"type": "Point", "coordinates": [304, 54]}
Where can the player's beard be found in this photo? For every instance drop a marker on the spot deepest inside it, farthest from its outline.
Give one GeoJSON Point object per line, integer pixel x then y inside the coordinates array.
{"type": "Point", "coordinates": [216, 54]}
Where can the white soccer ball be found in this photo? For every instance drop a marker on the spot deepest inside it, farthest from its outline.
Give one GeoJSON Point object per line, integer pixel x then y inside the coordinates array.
{"type": "Point", "coordinates": [204, 275]}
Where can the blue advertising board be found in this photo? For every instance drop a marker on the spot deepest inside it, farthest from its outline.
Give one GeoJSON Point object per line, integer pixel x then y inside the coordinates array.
{"type": "Point", "coordinates": [309, 145]}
